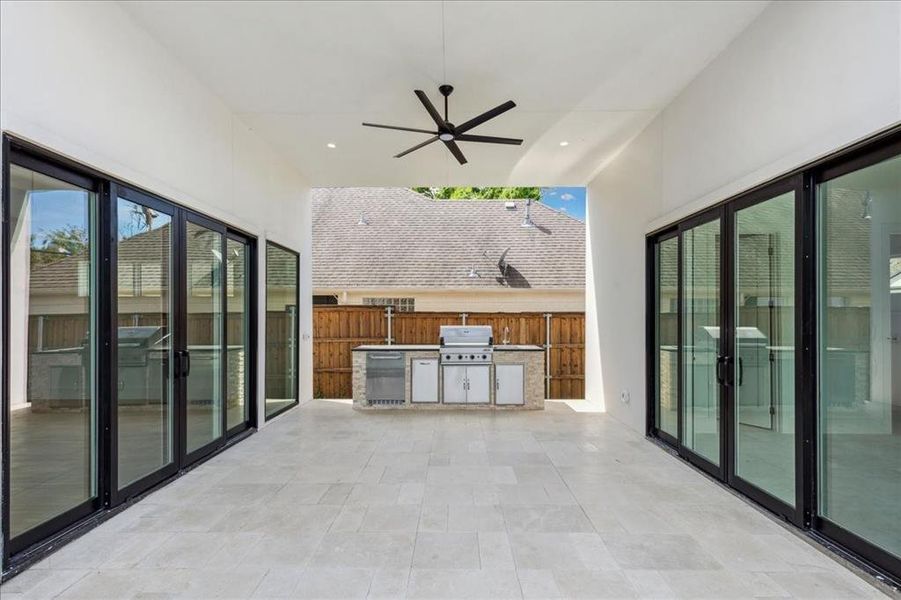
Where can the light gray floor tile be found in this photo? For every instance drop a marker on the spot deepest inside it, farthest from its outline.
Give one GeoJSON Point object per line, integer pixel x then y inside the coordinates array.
{"type": "Point", "coordinates": [546, 518]}
{"type": "Point", "coordinates": [391, 518]}
{"type": "Point", "coordinates": [583, 583]}
{"type": "Point", "coordinates": [364, 549]}
{"type": "Point", "coordinates": [561, 551]}
{"type": "Point", "coordinates": [456, 584]}
{"type": "Point", "coordinates": [450, 550]}
{"type": "Point", "coordinates": [661, 552]}
{"type": "Point", "coordinates": [495, 551]}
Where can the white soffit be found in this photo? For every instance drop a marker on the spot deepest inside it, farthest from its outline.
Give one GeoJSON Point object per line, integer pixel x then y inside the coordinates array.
{"type": "Point", "coordinates": [305, 75]}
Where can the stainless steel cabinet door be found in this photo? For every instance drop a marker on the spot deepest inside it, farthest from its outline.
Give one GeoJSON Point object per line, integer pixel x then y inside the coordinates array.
{"type": "Point", "coordinates": [425, 380]}
{"type": "Point", "coordinates": [454, 384]}
{"type": "Point", "coordinates": [508, 384]}
{"type": "Point", "coordinates": [478, 386]}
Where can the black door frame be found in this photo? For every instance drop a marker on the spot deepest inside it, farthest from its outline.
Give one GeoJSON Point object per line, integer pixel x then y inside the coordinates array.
{"type": "Point", "coordinates": [22, 156]}
{"type": "Point", "coordinates": [715, 469]}
{"type": "Point", "coordinates": [804, 181]}
{"type": "Point", "coordinates": [652, 300]}
{"type": "Point", "coordinates": [118, 495]}
{"type": "Point", "coordinates": [793, 184]}
{"type": "Point", "coordinates": [31, 545]}
{"type": "Point", "coordinates": [250, 333]}
{"type": "Point", "coordinates": [296, 378]}
{"type": "Point", "coordinates": [190, 456]}
{"type": "Point", "coordinates": [860, 157]}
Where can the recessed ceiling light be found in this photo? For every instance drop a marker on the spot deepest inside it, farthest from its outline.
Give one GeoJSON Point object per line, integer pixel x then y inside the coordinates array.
{"type": "Point", "coordinates": [331, 145]}
{"type": "Point", "coordinates": [564, 143]}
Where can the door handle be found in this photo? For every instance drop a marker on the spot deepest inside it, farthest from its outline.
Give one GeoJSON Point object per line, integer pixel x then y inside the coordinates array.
{"type": "Point", "coordinates": [720, 364]}
{"type": "Point", "coordinates": [741, 371]}
{"type": "Point", "coordinates": [184, 361]}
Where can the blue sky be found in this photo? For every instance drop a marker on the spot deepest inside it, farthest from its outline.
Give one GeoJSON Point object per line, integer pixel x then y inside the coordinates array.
{"type": "Point", "coordinates": [570, 200]}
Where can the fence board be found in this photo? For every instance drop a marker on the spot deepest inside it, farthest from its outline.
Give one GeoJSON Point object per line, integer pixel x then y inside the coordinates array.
{"type": "Point", "coordinates": [338, 329]}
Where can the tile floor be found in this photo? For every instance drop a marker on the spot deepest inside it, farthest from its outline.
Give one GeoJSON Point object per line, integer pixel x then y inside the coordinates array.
{"type": "Point", "coordinates": [330, 503]}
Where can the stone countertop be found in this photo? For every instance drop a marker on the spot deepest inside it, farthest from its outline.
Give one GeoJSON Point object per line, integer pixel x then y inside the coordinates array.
{"type": "Point", "coordinates": [436, 348]}
{"type": "Point", "coordinates": [398, 347]}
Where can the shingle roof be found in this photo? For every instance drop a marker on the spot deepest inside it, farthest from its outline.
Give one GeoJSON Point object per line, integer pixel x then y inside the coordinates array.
{"type": "Point", "coordinates": [414, 242]}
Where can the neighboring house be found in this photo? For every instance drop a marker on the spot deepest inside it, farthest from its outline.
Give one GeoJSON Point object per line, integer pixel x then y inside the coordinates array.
{"type": "Point", "coordinates": [395, 246]}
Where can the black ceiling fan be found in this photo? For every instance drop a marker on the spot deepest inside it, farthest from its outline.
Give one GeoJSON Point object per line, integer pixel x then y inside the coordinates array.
{"type": "Point", "coordinates": [449, 133]}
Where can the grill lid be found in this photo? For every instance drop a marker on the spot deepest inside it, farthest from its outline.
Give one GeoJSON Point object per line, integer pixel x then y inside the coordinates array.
{"type": "Point", "coordinates": [466, 335]}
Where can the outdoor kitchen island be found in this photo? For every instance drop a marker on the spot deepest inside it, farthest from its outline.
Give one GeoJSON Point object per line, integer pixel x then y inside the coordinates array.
{"type": "Point", "coordinates": [465, 370]}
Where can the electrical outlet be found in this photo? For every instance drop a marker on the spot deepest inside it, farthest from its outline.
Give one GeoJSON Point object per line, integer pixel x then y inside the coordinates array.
{"type": "Point", "coordinates": [625, 397]}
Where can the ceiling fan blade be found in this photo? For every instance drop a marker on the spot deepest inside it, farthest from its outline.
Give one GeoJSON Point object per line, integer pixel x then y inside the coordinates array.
{"type": "Point", "coordinates": [417, 147]}
{"type": "Point", "coordinates": [436, 116]}
{"type": "Point", "coordinates": [455, 150]}
{"type": "Point", "coordinates": [399, 128]}
{"type": "Point", "coordinates": [487, 139]}
{"type": "Point", "coordinates": [485, 116]}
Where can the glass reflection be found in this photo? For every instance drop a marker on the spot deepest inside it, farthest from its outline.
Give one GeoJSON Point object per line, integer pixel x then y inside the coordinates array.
{"type": "Point", "coordinates": [144, 374]}
{"type": "Point", "coordinates": [52, 409]}
{"type": "Point", "coordinates": [700, 339]}
{"type": "Point", "coordinates": [205, 331]}
{"type": "Point", "coordinates": [281, 329]}
{"type": "Point", "coordinates": [237, 333]}
{"type": "Point", "coordinates": [860, 353]}
{"type": "Point", "coordinates": [765, 346]}
{"type": "Point", "coordinates": [666, 330]}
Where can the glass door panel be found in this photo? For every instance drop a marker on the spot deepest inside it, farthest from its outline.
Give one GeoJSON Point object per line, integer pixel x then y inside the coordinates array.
{"type": "Point", "coordinates": [237, 333]}
{"type": "Point", "coordinates": [52, 410]}
{"type": "Point", "coordinates": [859, 304]}
{"type": "Point", "coordinates": [701, 339]}
{"type": "Point", "coordinates": [666, 328]}
{"type": "Point", "coordinates": [764, 352]}
{"type": "Point", "coordinates": [145, 382]}
{"type": "Point", "coordinates": [202, 363]}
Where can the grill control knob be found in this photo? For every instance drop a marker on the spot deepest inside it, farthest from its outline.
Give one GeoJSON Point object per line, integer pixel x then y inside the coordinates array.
{"type": "Point", "coordinates": [484, 357]}
{"type": "Point", "coordinates": [471, 357]}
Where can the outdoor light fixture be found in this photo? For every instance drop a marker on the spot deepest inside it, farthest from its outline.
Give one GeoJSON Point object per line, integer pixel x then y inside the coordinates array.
{"type": "Point", "coordinates": [363, 220]}
{"type": "Point", "coordinates": [473, 274]}
{"type": "Point", "coordinates": [331, 145]}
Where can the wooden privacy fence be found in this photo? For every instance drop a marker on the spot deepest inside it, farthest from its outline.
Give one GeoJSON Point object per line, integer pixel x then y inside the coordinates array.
{"type": "Point", "coordinates": [338, 329]}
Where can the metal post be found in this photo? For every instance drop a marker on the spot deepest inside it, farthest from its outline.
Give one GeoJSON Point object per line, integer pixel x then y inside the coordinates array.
{"type": "Point", "coordinates": [547, 355]}
{"type": "Point", "coordinates": [389, 310]}
{"type": "Point", "coordinates": [463, 316]}
{"type": "Point", "coordinates": [40, 335]}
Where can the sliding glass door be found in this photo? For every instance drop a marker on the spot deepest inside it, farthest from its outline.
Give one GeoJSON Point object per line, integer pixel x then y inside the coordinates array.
{"type": "Point", "coordinates": [145, 390]}
{"type": "Point", "coordinates": [734, 363]}
{"type": "Point", "coordinates": [666, 336]}
{"type": "Point", "coordinates": [128, 339]}
{"type": "Point", "coordinates": [52, 413]}
{"type": "Point", "coordinates": [761, 385]}
{"type": "Point", "coordinates": [702, 363]}
{"type": "Point", "coordinates": [788, 354]}
{"type": "Point", "coordinates": [238, 332]}
{"type": "Point", "coordinates": [202, 357]}
{"type": "Point", "coordinates": [859, 314]}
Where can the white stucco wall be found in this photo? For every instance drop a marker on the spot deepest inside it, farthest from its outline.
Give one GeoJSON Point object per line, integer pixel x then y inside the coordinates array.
{"type": "Point", "coordinates": [804, 79]}
{"type": "Point", "coordinates": [83, 80]}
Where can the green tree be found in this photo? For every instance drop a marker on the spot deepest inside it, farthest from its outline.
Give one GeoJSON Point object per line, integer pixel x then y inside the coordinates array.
{"type": "Point", "coordinates": [480, 193]}
{"type": "Point", "coordinates": [58, 243]}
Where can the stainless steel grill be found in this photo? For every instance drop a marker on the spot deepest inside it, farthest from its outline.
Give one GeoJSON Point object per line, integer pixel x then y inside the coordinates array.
{"type": "Point", "coordinates": [466, 344]}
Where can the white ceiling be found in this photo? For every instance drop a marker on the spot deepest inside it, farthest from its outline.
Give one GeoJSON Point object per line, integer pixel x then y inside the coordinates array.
{"type": "Point", "coordinates": [303, 75]}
